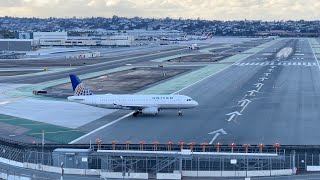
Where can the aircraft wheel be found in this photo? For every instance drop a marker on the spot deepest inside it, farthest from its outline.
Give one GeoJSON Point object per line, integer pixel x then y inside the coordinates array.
{"type": "Point", "coordinates": [135, 114]}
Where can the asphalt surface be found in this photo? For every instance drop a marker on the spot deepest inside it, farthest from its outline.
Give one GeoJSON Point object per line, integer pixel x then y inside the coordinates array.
{"type": "Point", "coordinates": [137, 55]}
{"type": "Point", "coordinates": [283, 109]}
{"type": "Point", "coordinates": [117, 62]}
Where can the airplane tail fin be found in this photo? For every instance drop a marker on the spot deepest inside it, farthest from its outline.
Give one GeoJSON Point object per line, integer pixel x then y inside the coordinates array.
{"type": "Point", "coordinates": [79, 89]}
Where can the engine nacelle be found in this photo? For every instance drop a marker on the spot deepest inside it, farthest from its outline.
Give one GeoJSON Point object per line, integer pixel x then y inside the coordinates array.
{"type": "Point", "coordinates": [150, 110]}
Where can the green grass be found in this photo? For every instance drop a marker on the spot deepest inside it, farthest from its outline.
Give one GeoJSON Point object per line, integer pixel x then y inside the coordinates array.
{"type": "Point", "coordinates": [52, 132]}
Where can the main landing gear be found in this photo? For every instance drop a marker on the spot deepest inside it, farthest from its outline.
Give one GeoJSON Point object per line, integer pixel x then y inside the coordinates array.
{"type": "Point", "coordinates": [180, 113]}
{"type": "Point", "coordinates": [136, 113]}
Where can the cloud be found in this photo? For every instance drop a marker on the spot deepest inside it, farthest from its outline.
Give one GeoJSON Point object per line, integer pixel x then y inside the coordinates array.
{"type": "Point", "coordinates": [205, 9]}
{"type": "Point", "coordinates": [11, 3]}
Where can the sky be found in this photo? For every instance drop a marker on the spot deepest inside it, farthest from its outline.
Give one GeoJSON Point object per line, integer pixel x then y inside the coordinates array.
{"type": "Point", "coordinates": [204, 9]}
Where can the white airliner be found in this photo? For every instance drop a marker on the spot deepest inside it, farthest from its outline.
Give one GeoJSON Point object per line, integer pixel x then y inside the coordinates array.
{"type": "Point", "coordinates": [141, 104]}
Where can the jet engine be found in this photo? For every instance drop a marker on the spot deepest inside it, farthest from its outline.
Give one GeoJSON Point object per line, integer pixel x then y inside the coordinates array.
{"type": "Point", "coordinates": [150, 110]}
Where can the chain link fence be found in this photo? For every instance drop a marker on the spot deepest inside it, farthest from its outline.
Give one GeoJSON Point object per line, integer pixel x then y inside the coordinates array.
{"type": "Point", "coordinates": [165, 164]}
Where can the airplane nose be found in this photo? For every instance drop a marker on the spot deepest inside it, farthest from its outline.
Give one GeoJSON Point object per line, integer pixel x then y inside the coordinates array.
{"type": "Point", "coordinates": [196, 103]}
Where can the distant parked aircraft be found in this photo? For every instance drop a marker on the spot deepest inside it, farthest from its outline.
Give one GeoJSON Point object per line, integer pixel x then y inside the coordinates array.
{"type": "Point", "coordinates": [194, 46]}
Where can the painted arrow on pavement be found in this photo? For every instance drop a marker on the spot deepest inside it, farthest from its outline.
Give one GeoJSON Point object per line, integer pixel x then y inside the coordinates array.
{"type": "Point", "coordinates": [244, 102]}
{"type": "Point", "coordinates": [263, 78]}
{"type": "Point", "coordinates": [251, 92]}
{"type": "Point", "coordinates": [267, 74]}
{"type": "Point", "coordinates": [232, 115]}
{"type": "Point", "coordinates": [270, 70]}
{"type": "Point", "coordinates": [216, 134]}
{"type": "Point", "coordinates": [258, 85]}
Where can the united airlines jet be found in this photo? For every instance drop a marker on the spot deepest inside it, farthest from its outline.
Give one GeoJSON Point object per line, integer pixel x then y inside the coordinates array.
{"type": "Point", "coordinates": [141, 104]}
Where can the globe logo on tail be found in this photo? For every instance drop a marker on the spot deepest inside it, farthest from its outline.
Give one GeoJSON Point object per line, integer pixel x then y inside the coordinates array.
{"type": "Point", "coordinates": [82, 90]}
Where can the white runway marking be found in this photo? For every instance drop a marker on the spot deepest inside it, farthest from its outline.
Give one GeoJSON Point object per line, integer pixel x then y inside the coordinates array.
{"type": "Point", "coordinates": [102, 127]}
{"type": "Point", "coordinates": [280, 63]}
{"type": "Point", "coordinates": [263, 78]}
{"type": "Point", "coordinates": [251, 92]}
{"type": "Point", "coordinates": [216, 134]}
{"type": "Point", "coordinates": [232, 115]}
{"type": "Point", "coordinates": [315, 58]}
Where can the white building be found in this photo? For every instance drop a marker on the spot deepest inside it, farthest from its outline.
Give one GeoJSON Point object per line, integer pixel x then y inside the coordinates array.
{"type": "Point", "coordinates": [88, 41]}
{"type": "Point", "coordinates": [84, 55]}
{"type": "Point", "coordinates": [50, 35]}
{"type": "Point", "coordinates": [118, 41]}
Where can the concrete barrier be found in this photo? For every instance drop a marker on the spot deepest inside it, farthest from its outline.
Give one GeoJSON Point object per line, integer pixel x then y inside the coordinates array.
{"type": "Point", "coordinates": [258, 173]}
{"type": "Point", "coordinates": [282, 172]}
{"type": "Point", "coordinates": [29, 165]}
{"type": "Point", "coordinates": [119, 175]}
{"type": "Point", "coordinates": [233, 173]}
{"type": "Point", "coordinates": [313, 168]}
{"type": "Point", "coordinates": [74, 171]}
{"type": "Point", "coordinates": [237, 173]}
{"type": "Point", "coordinates": [202, 173]}
{"type": "Point", "coordinates": [10, 162]}
{"type": "Point", "coordinates": [50, 169]}
{"type": "Point", "coordinates": [168, 176]}
{"type": "Point", "coordinates": [13, 177]}
{"type": "Point", "coordinates": [92, 172]}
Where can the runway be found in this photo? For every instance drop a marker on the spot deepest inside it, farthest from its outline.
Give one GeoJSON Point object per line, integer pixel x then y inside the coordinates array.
{"type": "Point", "coordinates": [271, 97]}
{"type": "Point", "coordinates": [137, 55]}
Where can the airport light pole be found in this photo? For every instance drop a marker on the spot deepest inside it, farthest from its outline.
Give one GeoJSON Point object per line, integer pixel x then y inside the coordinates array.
{"type": "Point", "coordinates": [42, 147]}
{"type": "Point", "coordinates": [62, 170]}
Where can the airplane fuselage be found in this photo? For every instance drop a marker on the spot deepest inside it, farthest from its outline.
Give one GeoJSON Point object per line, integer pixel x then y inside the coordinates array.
{"type": "Point", "coordinates": [135, 102]}
{"type": "Point", "coordinates": [141, 104]}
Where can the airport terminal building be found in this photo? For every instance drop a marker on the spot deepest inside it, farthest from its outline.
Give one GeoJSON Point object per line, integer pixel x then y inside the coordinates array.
{"type": "Point", "coordinates": [29, 41]}
{"type": "Point", "coordinates": [17, 44]}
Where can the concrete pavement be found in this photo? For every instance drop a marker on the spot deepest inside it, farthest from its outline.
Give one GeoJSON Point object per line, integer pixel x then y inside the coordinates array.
{"type": "Point", "coordinates": [280, 105]}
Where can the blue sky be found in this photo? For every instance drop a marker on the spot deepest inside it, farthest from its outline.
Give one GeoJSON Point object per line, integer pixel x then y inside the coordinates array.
{"type": "Point", "coordinates": [204, 9]}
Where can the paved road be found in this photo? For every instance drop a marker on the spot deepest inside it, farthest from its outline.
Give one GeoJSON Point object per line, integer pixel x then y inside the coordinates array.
{"type": "Point", "coordinates": [285, 108]}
